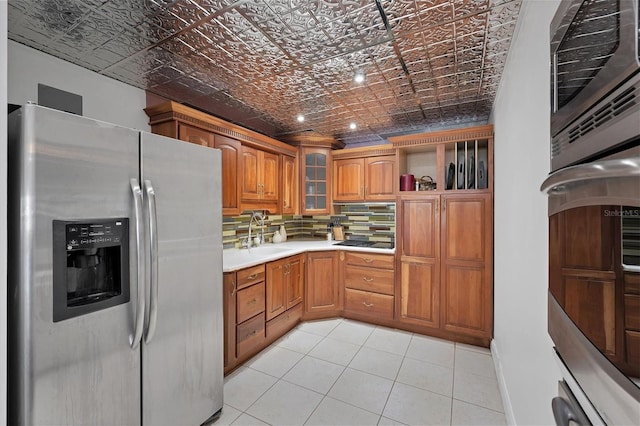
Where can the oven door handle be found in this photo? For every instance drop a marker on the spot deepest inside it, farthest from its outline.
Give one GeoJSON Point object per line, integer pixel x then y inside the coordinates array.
{"type": "Point", "coordinates": [563, 413]}
{"type": "Point", "coordinates": [562, 180]}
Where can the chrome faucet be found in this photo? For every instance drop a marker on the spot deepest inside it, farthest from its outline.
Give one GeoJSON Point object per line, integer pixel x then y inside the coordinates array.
{"type": "Point", "coordinates": [257, 217]}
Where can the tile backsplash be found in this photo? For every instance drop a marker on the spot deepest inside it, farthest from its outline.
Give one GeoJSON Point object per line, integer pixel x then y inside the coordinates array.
{"type": "Point", "coordinates": [363, 221]}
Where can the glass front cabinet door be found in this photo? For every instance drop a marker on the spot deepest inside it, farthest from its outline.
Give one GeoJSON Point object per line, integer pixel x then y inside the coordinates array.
{"type": "Point", "coordinates": [316, 181]}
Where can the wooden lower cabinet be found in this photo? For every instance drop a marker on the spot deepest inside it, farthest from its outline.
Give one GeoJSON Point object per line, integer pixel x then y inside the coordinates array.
{"type": "Point", "coordinates": [284, 285]}
{"type": "Point", "coordinates": [368, 303]}
{"type": "Point", "coordinates": [369, 287]}
{"type": "Point", "coordinates": [261, 303]}
{"type": "Point", "coordinates": [229, 316]}
{"type": "Point", "coordinates": [419, 295]}
{"type": "Point", "coordinates": [445, 261]}
{"type": "Point", "coordinates": [323, 296]}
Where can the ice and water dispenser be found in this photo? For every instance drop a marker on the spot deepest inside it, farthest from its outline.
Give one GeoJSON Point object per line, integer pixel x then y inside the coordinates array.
{"type": "Point", "coordinates": [90, 266]}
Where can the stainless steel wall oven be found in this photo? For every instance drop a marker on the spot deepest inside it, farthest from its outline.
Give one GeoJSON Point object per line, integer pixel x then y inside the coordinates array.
{"type": "Point", "coordinates": [595, 83]}
{"type": "Point", "coordinates": [594, 211]}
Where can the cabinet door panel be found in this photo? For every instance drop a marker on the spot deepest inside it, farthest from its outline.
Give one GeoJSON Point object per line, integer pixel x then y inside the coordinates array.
{"type": "Point", "coordinates": [315, 181]}
{"type": "Point", "coordinates": [250, 171]}
{"type": "Point", "coordinates": [270, 176]}
{"type": "Point", "coordinates": [586, 238]}
{"type": "Point", "coordinates": [322, 282]}
{"type": "Point", "coordinates": [229, 308]}
{"type": "Point", "coordinates": [295, 281]}
{"type": "Point", "coordinates": [420, 293]}
{"type": "Point", "coordinates": [466, 227]}
{"type": "Point", "coordinates": [590, 303]}
{"type": "Point", "coordinates": [289, 187]}
{"type": "Point", "coordinates": [380, 178]}
{"type": "Point", "coordinates": [276, 290]}
{"type": "Point", "coordinates": [195, 135]}
{"type": "Point", "coordinates": [230, 150]}
{"type": "Point", "coordinates": [348, 180]}
{"type": "Point", "coordinates": [465, 303]}
{"type": "Point", "coordinates": [421, 228]}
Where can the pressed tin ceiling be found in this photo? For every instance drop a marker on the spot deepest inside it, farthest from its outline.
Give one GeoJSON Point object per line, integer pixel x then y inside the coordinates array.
{"type": "Point", "coordinates": [429, 64]}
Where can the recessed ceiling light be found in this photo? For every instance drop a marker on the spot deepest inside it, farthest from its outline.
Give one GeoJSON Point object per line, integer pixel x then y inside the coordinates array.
{"type": "Point", "coordinates": [359, 77]}
{"type": "Point", "coordinates": [353, 126]}
{"type": "Point", "coordinates": [300, 118]}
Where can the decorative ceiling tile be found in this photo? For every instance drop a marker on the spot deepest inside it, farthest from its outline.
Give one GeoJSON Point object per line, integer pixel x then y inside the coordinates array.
{"type": "Point", "coordinates": [259, 63]}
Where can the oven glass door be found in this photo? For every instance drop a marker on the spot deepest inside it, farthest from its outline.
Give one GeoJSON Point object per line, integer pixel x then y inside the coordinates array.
{"type": "Point", "coordinates": [588, 246]}
{"type": "Point", "coordinates": [591, 39]}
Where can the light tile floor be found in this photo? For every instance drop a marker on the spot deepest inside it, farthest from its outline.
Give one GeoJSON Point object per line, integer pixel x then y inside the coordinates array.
{"type": "Point", "coordinates": [343, 372]}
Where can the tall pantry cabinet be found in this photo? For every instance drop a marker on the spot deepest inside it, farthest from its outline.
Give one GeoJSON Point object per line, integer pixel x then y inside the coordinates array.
{"type": "Point", "coordinates": [445, 234]}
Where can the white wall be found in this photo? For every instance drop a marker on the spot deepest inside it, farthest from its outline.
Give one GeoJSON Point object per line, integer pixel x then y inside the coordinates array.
{"type": "Point", "coordinates": [521, 117]}
{"type": "Point", "coordinates": [103, 98]}
{"type": "Point", "coordinates": [3, 212]}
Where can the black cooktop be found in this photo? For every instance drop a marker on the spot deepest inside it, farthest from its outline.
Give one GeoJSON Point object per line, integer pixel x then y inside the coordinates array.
{"type": "Point", "coordinates": [363, 243]}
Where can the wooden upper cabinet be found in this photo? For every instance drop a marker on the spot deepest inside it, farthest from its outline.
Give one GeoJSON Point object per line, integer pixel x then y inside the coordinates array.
{"type": "Point", "coordinates": [289, 186]}
{"type": "Point", "coordinates": [380, 178]}
{"type": "Point", "coordinates": [252, 174]}
{"type": "Point", "coordinates": [231, 151]}
{"type": "Point", "coordinates": [315, 180]}
{"type": "Point", "coordinates": [348, 179]}
{"type": "Point", "coordinates": [260, 175]}
{"type": "Point", "coordinates": [195, 135]}
{"type": "Point", "coordinates": [363, 179]}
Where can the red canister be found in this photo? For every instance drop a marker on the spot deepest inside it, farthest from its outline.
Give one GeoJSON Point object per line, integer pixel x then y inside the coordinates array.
{"type": "Point", "coordinates": [407, 183]}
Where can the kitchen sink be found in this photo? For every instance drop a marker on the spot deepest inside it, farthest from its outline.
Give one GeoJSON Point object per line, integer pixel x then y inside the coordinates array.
{"type": "Point", "coordinates": [265, 250]}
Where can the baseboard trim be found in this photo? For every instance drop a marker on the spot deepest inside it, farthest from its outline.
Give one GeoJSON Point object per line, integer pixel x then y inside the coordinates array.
{"type": "Point", "coordinates": [502, 385]}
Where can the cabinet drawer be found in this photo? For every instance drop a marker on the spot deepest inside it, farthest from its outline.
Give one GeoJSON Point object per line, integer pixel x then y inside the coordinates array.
{"type": "Point", "coordinates": [633, 347]}
{"type": "Point", "coordinates": [250, 302]}
{"type": "Point", "coordinates": [249, 276]}
{"type": "Point", "coordinates": [250, 335]}
{"type": "Point", "coordinates": [369, 279]}
{"type": "Point", "coordinates": [372, 304]}
{"type": "Point", "coordinates": [632, 312]}
{"type": "Point", "coordinates": [284, 322]}
{"type": "Point", "coordinates": [370, 260]}
{"type": "Point", "coordinates": [632, 283]}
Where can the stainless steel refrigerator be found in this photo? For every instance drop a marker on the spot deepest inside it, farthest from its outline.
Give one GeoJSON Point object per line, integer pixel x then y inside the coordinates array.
{"type": "Point", "coordinates": [115, 274]}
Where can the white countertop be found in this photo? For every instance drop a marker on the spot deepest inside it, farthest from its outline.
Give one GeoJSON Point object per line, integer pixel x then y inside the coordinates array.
{"type": "Point", "coordinates": [234, 259]}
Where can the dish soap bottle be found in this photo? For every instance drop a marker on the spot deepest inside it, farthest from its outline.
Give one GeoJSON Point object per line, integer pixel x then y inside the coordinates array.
{"type": "Point", "coordinates": [277, 238]}
{"type": "Point", "coordinates": [283, 233]}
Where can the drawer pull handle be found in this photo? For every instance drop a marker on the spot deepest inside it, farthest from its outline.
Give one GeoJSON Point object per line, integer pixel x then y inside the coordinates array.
{"type": "Point", "coordinates": [367, 279]}
{"type": "Point", "coordinates": [368, 305]}
{"type": "Point", "coordinates": [253, 333]}
{"type": "Point", "coordinates": [252, 277]}
{"type": "Point", "coordinates": [252, 301]}
{"type": "Point", "coordinates": [367, 259]}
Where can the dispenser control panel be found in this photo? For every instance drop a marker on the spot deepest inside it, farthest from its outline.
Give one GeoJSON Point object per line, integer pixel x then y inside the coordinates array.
{"type": "Point", "coordinates": [95, 234]}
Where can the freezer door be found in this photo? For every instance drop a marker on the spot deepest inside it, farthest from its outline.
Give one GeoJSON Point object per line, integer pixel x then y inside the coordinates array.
{"type": "Point", "coordinates": [182, 359]}
{"type": "Point", "coordinates": [79, 370]}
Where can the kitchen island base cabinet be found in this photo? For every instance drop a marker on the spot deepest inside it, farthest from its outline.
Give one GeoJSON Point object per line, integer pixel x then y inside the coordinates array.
{"type": "Point", "coordinates": [323, 296]}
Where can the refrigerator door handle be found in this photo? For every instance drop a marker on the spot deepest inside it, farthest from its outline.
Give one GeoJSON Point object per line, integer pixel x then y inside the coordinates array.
{"type": "Point", "coordinates": [153, 246]}
{"type": "Point", "coordinates": [139, 323]}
